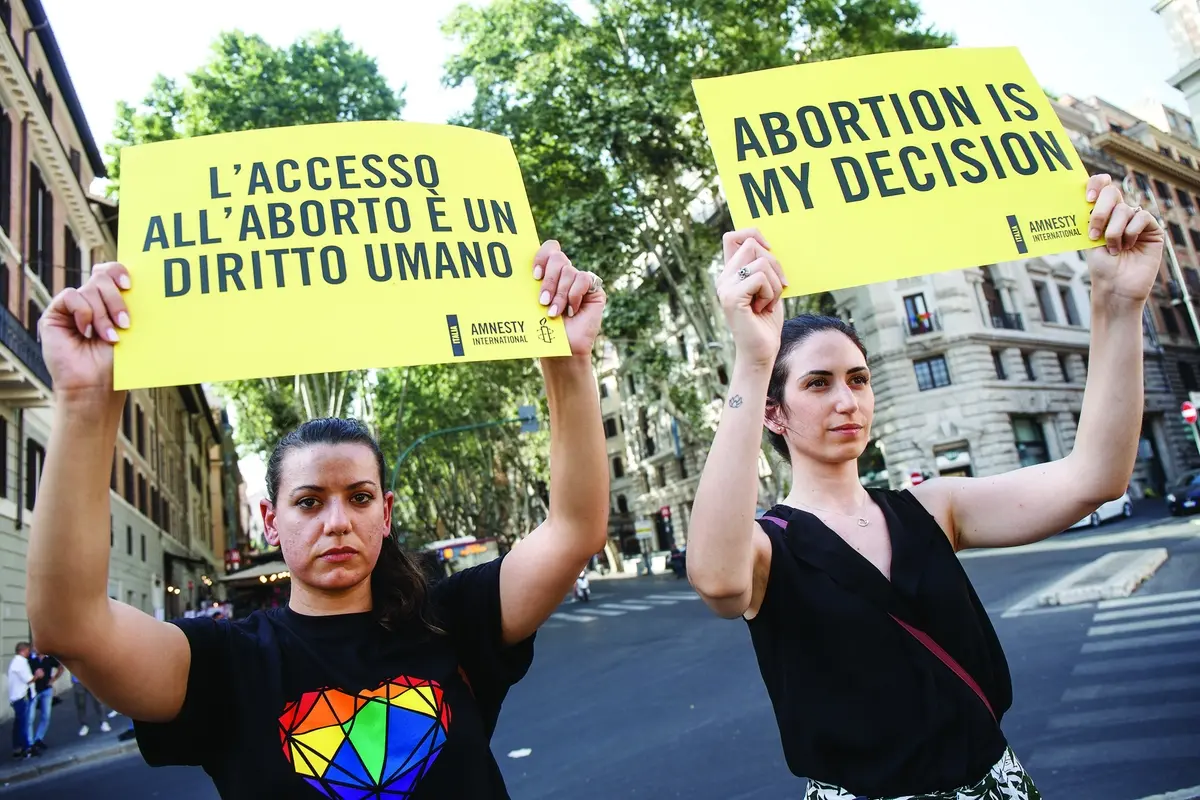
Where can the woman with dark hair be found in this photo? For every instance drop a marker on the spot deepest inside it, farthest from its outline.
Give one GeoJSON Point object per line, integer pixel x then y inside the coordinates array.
{"type": "Point", "coordinates": [885, 675]}
{"type": "Point", "coordinates": [373, 681]}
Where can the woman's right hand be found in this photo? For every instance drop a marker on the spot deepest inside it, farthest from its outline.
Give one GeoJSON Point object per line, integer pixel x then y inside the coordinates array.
{"type": "Point", "coordinates": [750, 288]}
{"type": "Point", "coordinates": [78, 331]}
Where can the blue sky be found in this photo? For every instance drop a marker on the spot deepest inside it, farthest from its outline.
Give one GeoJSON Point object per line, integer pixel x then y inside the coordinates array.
{"type": "Point", "coordinates": [1114, 48]}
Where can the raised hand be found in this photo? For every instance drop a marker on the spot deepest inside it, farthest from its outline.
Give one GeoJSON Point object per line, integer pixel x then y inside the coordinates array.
{"type": "Point", "coordinates": [750, 288]}
{"type": "Point", "coordinates": [79, 328]}
{"type": "Point", "coordinates": [570, 292]}
{"type": "Point", "coordinates": [1126, 264]}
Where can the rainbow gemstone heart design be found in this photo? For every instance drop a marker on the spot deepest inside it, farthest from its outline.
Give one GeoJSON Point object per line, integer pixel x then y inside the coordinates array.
{"type": "Point", "coordinates": [377, 743]}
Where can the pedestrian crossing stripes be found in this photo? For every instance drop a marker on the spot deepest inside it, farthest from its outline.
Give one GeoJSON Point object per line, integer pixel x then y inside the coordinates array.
{"type": "Point", "coordinates": [590, 612]}
{"type": "Point", "coordinates": [1134, 692]}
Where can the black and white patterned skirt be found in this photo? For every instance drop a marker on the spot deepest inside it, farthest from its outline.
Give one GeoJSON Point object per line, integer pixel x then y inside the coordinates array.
{"type": "Point", "coordinates": [1007, 780]}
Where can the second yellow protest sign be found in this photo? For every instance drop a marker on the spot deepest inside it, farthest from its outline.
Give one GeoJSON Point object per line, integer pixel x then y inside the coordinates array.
{"type": "Point", "coordinates": [888, 166]}
{"type": "Point", "coordinates": [326, 248]}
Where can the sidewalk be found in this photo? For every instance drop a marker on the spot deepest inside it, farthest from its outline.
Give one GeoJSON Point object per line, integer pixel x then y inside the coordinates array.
{"type": "Point", "coordinates": [65, 746]}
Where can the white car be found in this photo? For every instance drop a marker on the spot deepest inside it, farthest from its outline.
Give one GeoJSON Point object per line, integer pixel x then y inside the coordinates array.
{"type": "Point", "coordinates": [1121, 507]}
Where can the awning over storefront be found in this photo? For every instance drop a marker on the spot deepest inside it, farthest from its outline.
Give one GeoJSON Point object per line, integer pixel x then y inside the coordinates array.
{"type": "Point", "coordinates": [254, 574]}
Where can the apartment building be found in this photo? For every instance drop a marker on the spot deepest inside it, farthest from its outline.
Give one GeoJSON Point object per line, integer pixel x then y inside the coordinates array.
{"type": "Point", "coordinates": [52, 230]}
{"type": "Point", "coordinates": [654, 465]}
{"type": "Point", "coordinates": [982, 370]}
{"type": "Point", "coordinates": [1163, 175]}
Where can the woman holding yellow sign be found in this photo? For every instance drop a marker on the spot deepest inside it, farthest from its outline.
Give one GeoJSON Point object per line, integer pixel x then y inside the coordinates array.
{"type": "Point", "coordinates": [371, 683]}
{"type": "Point", "coordinates": [885, 674]}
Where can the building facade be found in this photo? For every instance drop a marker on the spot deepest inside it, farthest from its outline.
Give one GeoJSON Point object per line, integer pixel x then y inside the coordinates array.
{"type": "Point", "coordinates": [981, 371]}
{"type": "Point", "coordinates": [52, 230]}
{"type": "Point", "coordinates": [1181, 18]}
{"type": "Point", "coordinates": [1162, 174]}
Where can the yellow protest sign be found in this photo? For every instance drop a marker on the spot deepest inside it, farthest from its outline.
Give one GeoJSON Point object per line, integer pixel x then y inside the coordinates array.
{"type": "Point", "coordinates": [888, 166]}
{"type": "Point", "coordinates": [325, 248]}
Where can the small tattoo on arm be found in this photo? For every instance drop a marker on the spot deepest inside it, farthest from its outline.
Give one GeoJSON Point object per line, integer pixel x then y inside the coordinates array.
{"type": "Point", "coordinates": [735, 401]}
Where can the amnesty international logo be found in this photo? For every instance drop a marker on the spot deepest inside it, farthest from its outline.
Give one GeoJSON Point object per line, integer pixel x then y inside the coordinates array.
{"type": "Point", "coordinates": [456, 342]}
{"type": "Point", "coordinates": [544, 332]}
{"type": "Point", "coordinates": [1018, 238]}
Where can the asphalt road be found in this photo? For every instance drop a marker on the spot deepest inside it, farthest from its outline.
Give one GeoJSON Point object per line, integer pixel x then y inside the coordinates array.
{"type": "Point", "coordinates": [658, 699]}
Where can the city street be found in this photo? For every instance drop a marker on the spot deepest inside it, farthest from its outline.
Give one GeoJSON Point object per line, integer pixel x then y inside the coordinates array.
{"type": "Point", "coordinates": [644, 694]}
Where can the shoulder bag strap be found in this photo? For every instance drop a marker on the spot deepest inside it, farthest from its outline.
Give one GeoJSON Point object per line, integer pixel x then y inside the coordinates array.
{"type": "Point", "coordinates": [947, 659]}
{"type": "Point", "coordinates": [923, 638]}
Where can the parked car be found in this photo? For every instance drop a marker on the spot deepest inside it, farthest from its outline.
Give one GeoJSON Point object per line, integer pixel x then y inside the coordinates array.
{"type": "Point", "coordinates": [1183, 497]}
{"type": "Point", "coordinates": [1121, 507]}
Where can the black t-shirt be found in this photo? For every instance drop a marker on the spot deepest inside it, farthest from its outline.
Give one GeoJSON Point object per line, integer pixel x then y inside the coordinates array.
{"type": "Point", "coordinates": [47, 664]}
{"type": "Point", "coordinates": [283, 705]}
{"type": "Point", "coordinates": [860, 702]}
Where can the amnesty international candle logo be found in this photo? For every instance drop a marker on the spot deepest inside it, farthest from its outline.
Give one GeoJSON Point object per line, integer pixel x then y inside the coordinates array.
{"type": "Point", "coordinates": [325, 248]}
{"type": "Point", "coordinates": [894, 165]}
{"type": "Point", "coordinates": [545, 332]}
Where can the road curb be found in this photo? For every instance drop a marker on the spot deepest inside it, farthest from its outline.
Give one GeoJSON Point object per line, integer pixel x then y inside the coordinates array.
{"type": "Point", "coordinates": [104, 753]}
{"type": "Point", "coordinates": [1116, 574]}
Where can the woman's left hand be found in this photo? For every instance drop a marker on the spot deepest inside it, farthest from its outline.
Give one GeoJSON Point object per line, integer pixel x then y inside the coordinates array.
{"type": "Point", "coordinates": [1126, 264]}
{"type": "Point", "coordinates": [568, 292]}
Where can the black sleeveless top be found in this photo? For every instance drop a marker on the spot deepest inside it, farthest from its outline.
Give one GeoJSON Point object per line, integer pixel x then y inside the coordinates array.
{"type": "Point", "coordinates": [860, 702]}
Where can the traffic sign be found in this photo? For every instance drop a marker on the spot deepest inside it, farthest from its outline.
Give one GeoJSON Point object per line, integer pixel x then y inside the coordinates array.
{"type": "Point", "coordinates": [1189, 413]}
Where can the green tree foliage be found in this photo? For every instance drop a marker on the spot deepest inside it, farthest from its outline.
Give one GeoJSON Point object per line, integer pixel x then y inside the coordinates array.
{"type": "Point", "coordinates": [601, 110]}
{"type": "Point", "coordinates": [612, 147]}
{"type": "Point", "coordinates": [245, 85]}
{"type": "Point", "coordinates": [487, 482]}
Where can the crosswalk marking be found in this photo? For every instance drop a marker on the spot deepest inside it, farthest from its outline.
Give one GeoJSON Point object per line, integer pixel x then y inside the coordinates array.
{"type": "Point", "coordinates": [604, 612]}
{"type": "Point", "coordinates": [1142, 642]}
{"type": "Point", "coordinates": [1144, 661]}
{"type": "Point", "coordinates": [1148, 598]}
{"type": "Point", "coordinates": [1146, 624]}
{"type": "Point", "coordinates": [1127, 688]}
{"type": "Point", "coordinates": [573, 610]}
{"type": "Point", "coordinates": [1145, 611]}
{"type": "Point", "coordinates": [1116, 751]}
{"type": "Point", "coordinates": [1128, 715]}
{"type": "Point", "coordinates": [1135, 688]}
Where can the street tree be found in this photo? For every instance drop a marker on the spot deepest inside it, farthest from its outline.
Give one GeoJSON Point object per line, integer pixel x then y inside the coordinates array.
{"type": "Point", "coordinates": [602, 114]}
{"type": "Point", "coordinates": [246, 84]}
{"type": "Point", "coordinates": [483, 482]}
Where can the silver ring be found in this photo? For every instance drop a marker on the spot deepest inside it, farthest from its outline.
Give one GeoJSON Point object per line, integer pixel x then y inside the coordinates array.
{"type": "Point", "coordinates": [597, 284]}
{"type": "Point", "coordinates": [743, 273]}
{"type": "Point", "coordinates": [1136, 209]}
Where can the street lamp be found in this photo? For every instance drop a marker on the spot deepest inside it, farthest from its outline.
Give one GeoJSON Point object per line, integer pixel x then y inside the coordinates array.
{"type": "Point", "coordinates": [526, 416]}
{"type": "Point", "coordinates": [1148, 197]}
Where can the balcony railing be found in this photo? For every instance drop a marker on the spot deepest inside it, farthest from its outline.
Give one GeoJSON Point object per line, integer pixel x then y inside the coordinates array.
{"type": "Point", "coordinates": [1101, 160]}
{"type": "Point", "coordinates": [1008, 321]}
{"type": "Point", "coordinates": [22, 344]}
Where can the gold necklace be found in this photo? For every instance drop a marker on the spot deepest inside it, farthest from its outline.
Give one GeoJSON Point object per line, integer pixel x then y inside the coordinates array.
{"type": "Point", "coordinates": [862, 520]}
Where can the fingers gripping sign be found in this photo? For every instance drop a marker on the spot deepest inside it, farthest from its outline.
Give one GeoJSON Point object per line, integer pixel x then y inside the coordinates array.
{"type": "Point", "coordinates": [79, 329]}
{"type": "Point", "coordinates": [1126, 263]}
{"type": "Point", "coordinates": [570, 292]}
{"type": "Point", "coordinates": [750, 288]}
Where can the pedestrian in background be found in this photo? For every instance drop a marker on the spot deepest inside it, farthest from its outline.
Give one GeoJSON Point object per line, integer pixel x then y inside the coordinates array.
{"type": "Point", "coordinates": [364, 636]}
{"type": "Point", "coordinates": [84, 698]}
{"type": "Point", "coordinates": [21, 681]}
{"type": "Point", "coordinates": [885, 674]}
{"type": "Point", "coordinates": [41, 707]}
